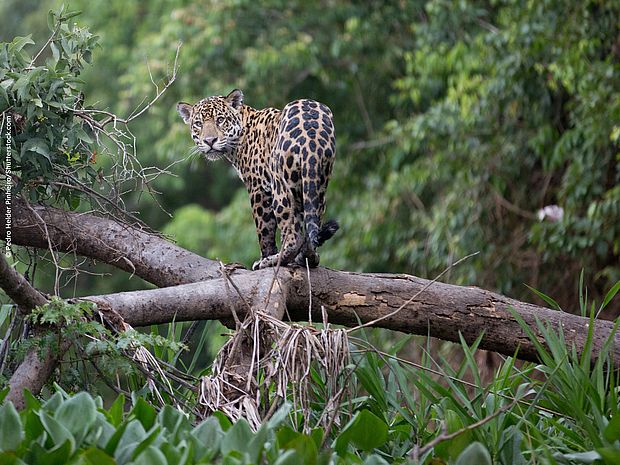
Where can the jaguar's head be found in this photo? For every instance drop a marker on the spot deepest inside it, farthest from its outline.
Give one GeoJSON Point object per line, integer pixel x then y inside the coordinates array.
{"type": "Point", "coordinates": [215, 124]}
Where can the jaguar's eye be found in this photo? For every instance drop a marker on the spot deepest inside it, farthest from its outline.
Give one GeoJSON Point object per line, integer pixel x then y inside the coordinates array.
{"type": "Point", "coordinates": [198, 124]}
{"type": "Point", "coordinates": [219, 120]}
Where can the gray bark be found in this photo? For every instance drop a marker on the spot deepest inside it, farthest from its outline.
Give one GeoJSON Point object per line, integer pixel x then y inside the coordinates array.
{"type": "Point", "coordinates": [441, 310]}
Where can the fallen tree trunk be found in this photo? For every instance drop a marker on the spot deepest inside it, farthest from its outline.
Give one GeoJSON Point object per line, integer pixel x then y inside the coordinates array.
{"type": "Point", "coordinates": [196, 289]}
{"type": "Point", "coordinates": [439, 310]}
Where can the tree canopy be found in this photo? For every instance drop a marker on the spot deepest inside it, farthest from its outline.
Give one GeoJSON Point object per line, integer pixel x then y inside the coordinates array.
{"type": "Point", "coordinates": [456, 124]}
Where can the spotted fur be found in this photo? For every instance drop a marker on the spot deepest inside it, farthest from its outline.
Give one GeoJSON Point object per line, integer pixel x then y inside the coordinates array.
{"type": "Point", "coordinates": [284, 157]}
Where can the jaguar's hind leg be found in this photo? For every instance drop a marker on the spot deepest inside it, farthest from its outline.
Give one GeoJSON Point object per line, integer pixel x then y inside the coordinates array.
{"type": "Point", "coordinates": [290, 227]}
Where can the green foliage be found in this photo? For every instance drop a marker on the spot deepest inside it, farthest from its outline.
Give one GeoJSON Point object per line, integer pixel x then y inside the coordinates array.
{"type": "Point", "coordinates": [203, 231]}
{"type": "Point", "coordinates": [112, 352]}
{"type": "Point", "coordinates": [59, 312]}
{"type": "Point", "coordinates": [562, 410]}
{"type": "Point", "coordinates": [79, 429]}
{"type": "Point", "coordinates": [41, 99]}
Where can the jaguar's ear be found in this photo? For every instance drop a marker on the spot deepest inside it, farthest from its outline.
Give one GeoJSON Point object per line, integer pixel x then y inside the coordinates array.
{"type": "Point", "coordinates": [235, 99]}
{"type": "Point", "coordinates": [185, 110]}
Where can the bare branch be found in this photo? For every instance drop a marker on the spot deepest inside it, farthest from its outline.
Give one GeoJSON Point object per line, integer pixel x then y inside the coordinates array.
{"type": "Point", "coordinates": [18, 288]}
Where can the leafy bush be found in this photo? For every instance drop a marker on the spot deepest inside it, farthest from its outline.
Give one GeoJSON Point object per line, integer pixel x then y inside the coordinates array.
{"type": "Point", "coordinates": [50, 144]}
{"type": "Point", "coordinates": [78, 429]}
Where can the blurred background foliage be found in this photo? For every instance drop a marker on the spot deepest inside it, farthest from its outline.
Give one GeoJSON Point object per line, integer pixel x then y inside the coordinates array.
{"type": "Point", "coordinates": [456, 121]}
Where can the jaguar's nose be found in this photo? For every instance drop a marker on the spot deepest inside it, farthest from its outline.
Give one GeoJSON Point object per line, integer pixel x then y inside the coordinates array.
{"type": "Point", "coordinates": [210, 141]}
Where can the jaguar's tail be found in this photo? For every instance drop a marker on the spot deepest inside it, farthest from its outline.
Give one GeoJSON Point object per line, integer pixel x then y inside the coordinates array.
{"type": "Point", "coordinates": [317, 235]}
{"type": "Point", "coordinates": [326, 232]}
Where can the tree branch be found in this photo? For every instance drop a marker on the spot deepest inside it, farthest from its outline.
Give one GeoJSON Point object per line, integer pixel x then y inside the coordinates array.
{"type": "Point", "coordinates": [18, 288]}
{"type": "Point", "coordinates": [442, 310]}
{"type": "Point", "coordinates": [35, 370]}
{"type": "Point", "coordinates": [128, 248]}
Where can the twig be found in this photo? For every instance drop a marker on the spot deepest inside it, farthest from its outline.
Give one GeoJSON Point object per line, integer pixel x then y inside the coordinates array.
{"type": "Point", "coordinates": [418, 451]}
{"type": "Point", "coordinates": [309, 293]}
{"type": "Point", "coordinates": [6, 342]}
{"type": "Point", "coordinates": [369, 144]}
{"type": "Point", "coordinates": [51, 249]}
{"type": "Point", "coordinates": [445, 375]}
{"type": "Point", "coordinates": [512, 207]}
{"type": "Point", "coordinates": [49, 41]}
{"type": "Point", "coordinates": [228, 279]}
{"type": "Point", "coordinates": [157, 95]}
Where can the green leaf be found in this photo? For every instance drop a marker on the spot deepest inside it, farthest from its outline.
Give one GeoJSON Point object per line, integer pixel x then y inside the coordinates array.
{"type": "Point", "coordinates": [32, 403]}
{"type": "Point", "coordinates": [289, 457]}
{"type": "Point", "coordinates": [77, 414]}
{"type": "Point", "coordinates": [208, 434]}
{"type": "Point", "coordinates": [144, 412]}
{"type": "Point", "coordinates": [280, 415]}
{"type": "Point", "coordinates": [19, 43]}
{"type": "Point", "coordinates": [4, 392]}
{"type": "Point", "coordinates": [285, 435]}
{"type": "Point", "coordinates": [112, 444]}
{"type": "Point", "coordinates": [305, 447]}
{"type": "Point", "coordinates": [510, 452]}
{"type": "Point", "coordinates": [57, 432]}
{"type": "Point", "coordinates": [51, 20]}
{"type": "Point", "coordinates": [33, 428]}
{"type": "Point", "coordinates": [94, 456]}
{"type": "Point", "coordinates": [552, 303]}
{"type": "Point", "coordinates": [9, 458]}
{"type": "Point", "coordinates": [369, 374]}
{"type": "Point", "coordinates": [374, 459]}
{"type": "Point", "coordinates": [151, 438]}
{"type": "Point", "coordinates": [36, 145]}
{"type": "Point", "coordinates": [257, 444]}
{"type": "Point", "coordinates": [151, 456]}
{"type": "Point", "coordinates": [612, 431]}
{"type": "Point", "coordinates": [172, 419]}
{"type": "Point", "coordinates": [610, 454]}
{"type": "Point", "coordinates": [4, 99]}
{"type": "Point", "coordinates": [82, 135]}
{"type": "Point", "coordinates": [55, 456]}
{"type": "Point", "coordinates": [582, 457]}
{"type": "Point", "coordinates": [22, 87]}
{"type": "Point", "coordinates": [453, 448]}
{"type": "Point", "coordinates": [11, 428]}
{"type": "Point", "coordinates": [55, 51]}
{"type": "Point", "coordinates": [611, 294]}
{"type": "Point", "coordinates": [237, 437]}
{"type": "Point", "coordinates": [365, 430]}
{"type": "Point", "coordinates": [475, 454]}
{"type": "Point", "coordinates": [70, 14]}
{"type": "Point", "coordinates": [132, 436]}
{"type": "Point", "coordinates": [115, 413]}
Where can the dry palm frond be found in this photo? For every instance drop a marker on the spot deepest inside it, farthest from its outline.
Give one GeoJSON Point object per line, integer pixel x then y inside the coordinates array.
{"type": "Point", "coordinates": [267, 353]}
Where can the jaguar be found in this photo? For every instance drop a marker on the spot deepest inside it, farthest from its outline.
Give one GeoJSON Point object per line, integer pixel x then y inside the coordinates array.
{"type": "Point", "coordinates": [284, 158]}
